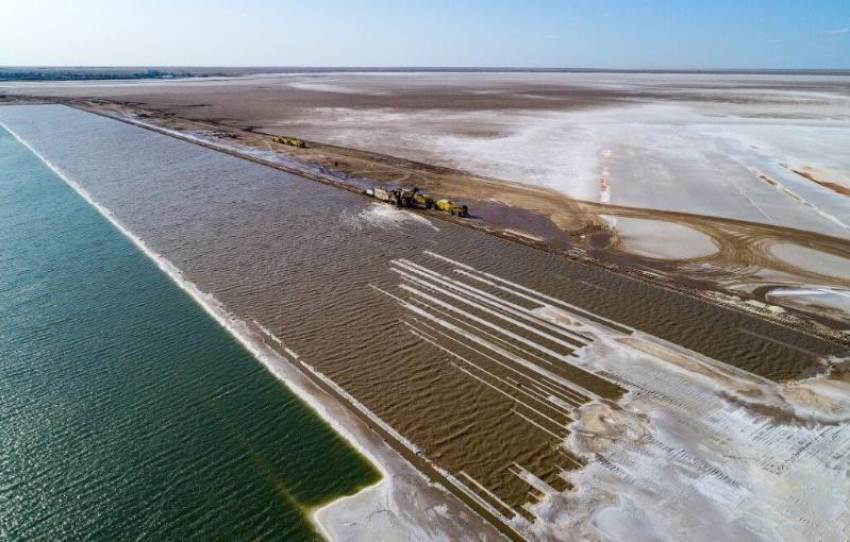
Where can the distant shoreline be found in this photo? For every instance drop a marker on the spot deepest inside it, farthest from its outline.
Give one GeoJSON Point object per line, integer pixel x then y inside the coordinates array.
{"type": "Point", "coordinates": [105, 73]}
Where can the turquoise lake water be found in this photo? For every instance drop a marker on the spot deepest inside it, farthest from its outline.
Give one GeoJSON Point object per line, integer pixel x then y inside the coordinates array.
{"type": "Point", "coordinates": [126, 412]}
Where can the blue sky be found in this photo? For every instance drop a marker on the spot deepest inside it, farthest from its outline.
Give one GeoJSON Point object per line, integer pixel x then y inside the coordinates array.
{"type": "Point", "coordinates": [632, 34]}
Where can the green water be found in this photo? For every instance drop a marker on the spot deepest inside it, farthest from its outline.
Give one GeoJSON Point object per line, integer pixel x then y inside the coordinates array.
{"type": "Point", "coordinates": [126, 412]}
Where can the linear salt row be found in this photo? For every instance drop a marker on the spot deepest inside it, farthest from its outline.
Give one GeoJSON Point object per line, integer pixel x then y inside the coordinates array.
{"type": "Point", "coordinates": [567, 392]}
{"type": "Point", "coordinates": [489, 493]}
{"type": "Point", "coordinates": [511, 334]}
{"type": "Point", "coordinates": [576, 339]}
{"type": "Point", "coordinates": [566, 413]}
{"type": "Point", "coordinates": [573, 339]}
{"type": "Point", "coordinates": [563, 381]}
{"type": "Point", "coordinates": [534, 423]}
{"type": "Point", "coordinates": [481, 332]}
{"type": "Point", "coordinates": [530, 295]}
{"type": "Point", "coordinates": [431, 340]}
{"type": "Point", "coordinates": [477, 498]}
{"type": "Point", "coordinates": [573, 399]}
{"type": "Point", "coordinates": [430, 286]}
{"type": "Point", "coordinates": [363, 409]}
{"type": "Point", "coordinates": [502, 352]}
{"type": "Point", "coordinates": [506, 394]}
{"type": "Point", "coordinates": [532, 479]}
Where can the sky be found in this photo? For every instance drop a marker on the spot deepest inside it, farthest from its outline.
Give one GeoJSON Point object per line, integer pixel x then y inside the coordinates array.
{"type": "Point", "coordinates": [618, 34]}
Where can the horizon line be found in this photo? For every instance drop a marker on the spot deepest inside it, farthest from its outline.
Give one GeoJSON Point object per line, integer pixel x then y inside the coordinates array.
{"type": "Point", "coordinates": [406, 68]}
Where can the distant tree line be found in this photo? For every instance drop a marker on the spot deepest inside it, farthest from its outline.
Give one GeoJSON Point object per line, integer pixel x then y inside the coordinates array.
{"type": "Point", "coordinates": [58, 74]}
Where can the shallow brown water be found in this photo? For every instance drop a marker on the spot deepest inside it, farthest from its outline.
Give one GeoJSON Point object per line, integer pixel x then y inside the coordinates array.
{"type": "Point", "coordinates": [353, 288]}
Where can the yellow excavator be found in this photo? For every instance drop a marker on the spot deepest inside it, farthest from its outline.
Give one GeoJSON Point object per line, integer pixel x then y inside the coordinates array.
{"type": "Point", "coordinates": [453, 208]}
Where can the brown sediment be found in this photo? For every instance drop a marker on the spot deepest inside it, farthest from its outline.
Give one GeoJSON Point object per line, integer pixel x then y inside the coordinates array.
{"type": "Point", "coordinates": [810, 175]}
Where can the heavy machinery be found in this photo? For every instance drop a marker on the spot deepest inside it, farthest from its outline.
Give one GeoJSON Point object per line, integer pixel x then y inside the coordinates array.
{"type": "Point", "coordinates": [402, 197]}
{"type": "Point", "coordinates": [453, 208]}
{"type": "Point", "coordinates": [422, 200]}
{"type": "Point", "coordinates": [290, 141]}
{"type": "Point", "coordinates": [379, 193]}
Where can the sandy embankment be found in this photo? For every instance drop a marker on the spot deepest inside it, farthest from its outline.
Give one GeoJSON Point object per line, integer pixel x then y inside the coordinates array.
{"type": "Point", "coordinates": [404, 504]}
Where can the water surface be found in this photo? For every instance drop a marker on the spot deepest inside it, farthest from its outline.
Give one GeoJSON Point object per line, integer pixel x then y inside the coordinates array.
{"type": "Point", "coordinates": [125, 411]}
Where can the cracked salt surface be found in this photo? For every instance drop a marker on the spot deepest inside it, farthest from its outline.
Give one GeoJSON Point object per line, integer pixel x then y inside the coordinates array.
{"type": "Point", "coordinates": [703, 451]}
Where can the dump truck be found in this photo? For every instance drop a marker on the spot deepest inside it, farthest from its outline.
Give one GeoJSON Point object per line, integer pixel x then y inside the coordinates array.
{"type": "Point", "coordinates": [290, 141]}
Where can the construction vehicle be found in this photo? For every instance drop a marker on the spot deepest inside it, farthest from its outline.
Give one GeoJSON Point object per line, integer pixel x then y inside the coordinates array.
{"type": "Point", "coordinates": [402, 197]}
{"type": "Point", "coordinates": [290, 141]}
{"type": "Point", "coordinates": [422, 200]}
{"type": "Point", "coordinates": [453, 208]}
